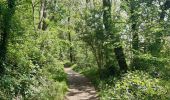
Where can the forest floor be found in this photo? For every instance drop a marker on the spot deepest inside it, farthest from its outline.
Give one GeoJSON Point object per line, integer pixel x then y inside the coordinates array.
{"type": "Point", "coordinates": [80, 88]}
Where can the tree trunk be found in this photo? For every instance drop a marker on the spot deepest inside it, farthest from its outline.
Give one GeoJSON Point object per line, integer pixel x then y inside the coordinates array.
{"type": "Point", "coordinates": [121, 58]}
{"type": "Point", "coordinates": [135, 35]}
{"type": "Point", "coordinates": [33, 14]}
{"type": "Point", "coordinates": [71, 48]}
{"type": "Point", "coordinates": [70, 40]}
{"type": "Point", "coordinates": [5, 35]}
{"type": "Point", "coordinates": [43, 15]}
{"type": "Point", "coordinates": [118, 50]}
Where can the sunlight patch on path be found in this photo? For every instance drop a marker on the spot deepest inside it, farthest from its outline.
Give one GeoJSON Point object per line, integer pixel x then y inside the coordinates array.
{"type": "Point", "coordinates": [80, 88]}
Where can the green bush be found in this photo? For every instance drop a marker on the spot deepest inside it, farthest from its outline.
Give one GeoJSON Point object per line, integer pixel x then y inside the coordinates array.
{"type": "Point", "coordinates": [48, 89]}
{"type": "Point", "coordinates": [33, 71]}
{"type": "Point", "coordinates": [56, 91]}
{"type": "Point", "coordinates": [135, 85]}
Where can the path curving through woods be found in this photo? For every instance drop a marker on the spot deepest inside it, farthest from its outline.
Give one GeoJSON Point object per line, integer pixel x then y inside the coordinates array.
{"type": "Point", "coordinates": [80, 88]}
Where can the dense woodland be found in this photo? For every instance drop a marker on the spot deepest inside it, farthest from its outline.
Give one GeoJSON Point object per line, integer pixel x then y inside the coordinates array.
{"type": "Point", "coordinates": [123, 46]}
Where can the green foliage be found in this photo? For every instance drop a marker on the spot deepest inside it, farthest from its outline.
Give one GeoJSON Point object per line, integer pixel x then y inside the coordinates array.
{"type": "Point", "coordinates": [50, 91]}
{"type": "Point", "coordinates": [30, 72]}
{"type": "Point", "coordinates": [33, 58]}
{"type": "Point", "coordinates": [135, 85]}
{"type": "Point", "coordinates": [130, 86]}
{"type": "Point", "coordinates": [32, 67]}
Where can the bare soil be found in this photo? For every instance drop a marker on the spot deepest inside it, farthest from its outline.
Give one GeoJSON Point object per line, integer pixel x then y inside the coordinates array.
{"type": "Point", "coordinates": [80, 88]}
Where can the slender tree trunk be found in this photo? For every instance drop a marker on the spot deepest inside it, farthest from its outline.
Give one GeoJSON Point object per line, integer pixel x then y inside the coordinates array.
{"type": "Point", "coordinates": [135, 35]}
{"type": "Point", "coordinates": [33, 14]}
{"type": "Point", "coordinates": [70, 40]}
{"type": "Point", "coordinates": [71, 48]}
{"type": "Point", "coordinates": [108, 26]}
{"type": "Point", "coordinates": [5, 35]}
{"type": "Point", "coordinates": [118, 50]}
{"type": "Point", "coordinates": [97, 57]}
{"type": "Point", "coordinates": [61, 55]}
{"type": "Point", "coordinates": [43, 15]}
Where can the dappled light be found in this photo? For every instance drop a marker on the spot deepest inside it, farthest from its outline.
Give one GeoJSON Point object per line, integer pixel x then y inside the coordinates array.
{"type": "Point", "coordinates": [84, 49]}
{"type": "Point", "coordinates": [80, 88]}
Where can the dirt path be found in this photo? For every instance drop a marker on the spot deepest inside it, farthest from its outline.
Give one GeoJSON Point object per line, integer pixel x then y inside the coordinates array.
{"type": "Point", "coordinates": [80, 87]}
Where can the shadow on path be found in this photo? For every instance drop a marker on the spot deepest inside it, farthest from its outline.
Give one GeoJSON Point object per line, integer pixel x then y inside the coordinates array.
{"type": "Point", "coordinates": [80, 88]}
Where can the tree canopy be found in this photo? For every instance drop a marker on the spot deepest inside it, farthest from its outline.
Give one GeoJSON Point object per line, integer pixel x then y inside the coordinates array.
{"type": "Point", "coordinates": [121, 45]}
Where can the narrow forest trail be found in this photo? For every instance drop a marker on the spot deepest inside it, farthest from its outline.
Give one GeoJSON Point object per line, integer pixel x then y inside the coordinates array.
{"type": "Point", "coordinates": [80, 88]}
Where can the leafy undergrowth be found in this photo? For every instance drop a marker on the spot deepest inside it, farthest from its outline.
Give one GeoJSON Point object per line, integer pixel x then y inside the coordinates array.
{"type": "Point", "coordinates": [41, 84]}
{"type": "Point", "coordinates": [134, 85]}
{"type": "Point", "coordinates": [33, 71]}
